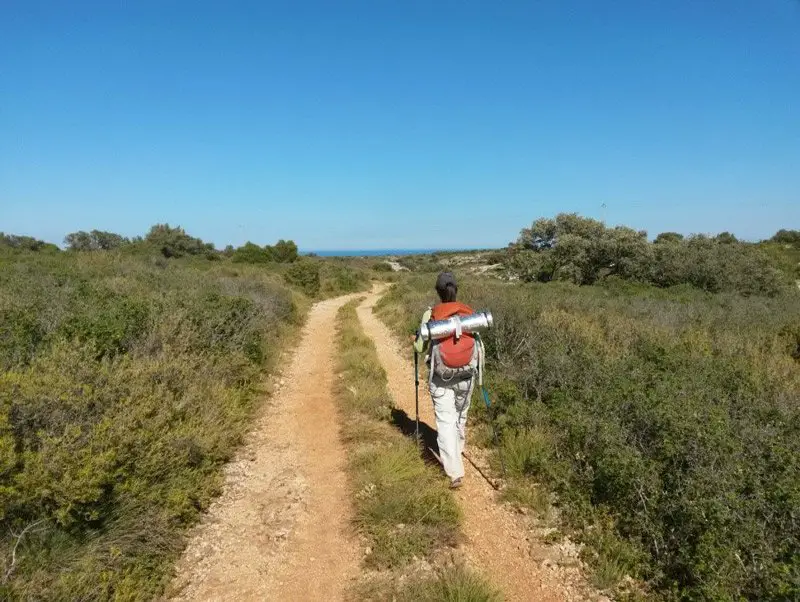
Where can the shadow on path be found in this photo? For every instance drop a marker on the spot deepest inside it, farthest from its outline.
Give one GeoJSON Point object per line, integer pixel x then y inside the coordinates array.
{"type": "Point", "coordinates": [428, 435]}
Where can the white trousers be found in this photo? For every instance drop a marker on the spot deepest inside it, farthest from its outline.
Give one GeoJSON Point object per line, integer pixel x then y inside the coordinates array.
{"type": "Point", "coordinates": [451, 404]}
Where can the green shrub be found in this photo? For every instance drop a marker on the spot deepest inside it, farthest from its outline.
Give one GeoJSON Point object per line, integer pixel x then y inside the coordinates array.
{"type": "Point", "coordinates": [112, 328]}
{"type": "Point", "coordinates": [20, 335]}
{"type": "Point", "coordinates": [251, 253]}
{"type": "Point", "coordinates": [422, 263]}
{"type": "Point", "coordinates": [526, 452]}
{"type": "Point", "coordinates": [284, 251]}
{"type": "Point", "coordinates": [306, 276]}
{"type": "Point", "coordinates": [342, 279]}
{"type": "Point", "coordinates": [785, 256]}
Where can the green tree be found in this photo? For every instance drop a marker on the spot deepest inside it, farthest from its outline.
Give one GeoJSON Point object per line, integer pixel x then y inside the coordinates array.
{"type": "Point", "coordinates": [530, 266]}
{"type": "Point", "coordinates": [95, 240]}
{"type": "Point", "coordinates": [25, 243]}
{"type": "Point", "coordinates": [285, 251]}
{"type": "Point", "coordinates": [78, 241]}
{"type": "Point", "coordinates": [787, 237]}
{"type": "Point", "coordinates": [584, 251]}
{"type": "Point", "coordinates": [541, 235]}
{"type": "Point", "coordinates": [250, 252]}
{"type": "Point", "coordinates": [108, 240]}
{"type": "Point", "coordinates": [726, 238]}
{"type": "Point", "coordinates": [715, 266]}
{"type": "Point", "coordinates": [628, 252]}
{"type": "Point", "coordinates": [305, 275]}
{"type": "Point", "coordinates": [668, 237]}
{"type": "Point", "coordinates": [581, 250]}
{"type": "Point", "coordinates": [175, 242]}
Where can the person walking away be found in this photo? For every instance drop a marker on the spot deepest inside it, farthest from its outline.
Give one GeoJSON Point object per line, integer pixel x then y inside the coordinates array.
{"type": "Point", "coordinates": [453, 364]}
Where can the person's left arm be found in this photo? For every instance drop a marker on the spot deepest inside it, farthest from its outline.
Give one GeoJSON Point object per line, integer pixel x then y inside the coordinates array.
{"type": "Point", "coordinates": [420, 345]}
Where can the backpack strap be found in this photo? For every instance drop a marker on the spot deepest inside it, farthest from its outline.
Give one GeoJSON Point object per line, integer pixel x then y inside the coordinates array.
{"type": "Point", "coordinates": [481, 361]}
{"type": "Point", "coordinates": [481, 358]}
{"type": "Point", "coordinates": [431, 369]}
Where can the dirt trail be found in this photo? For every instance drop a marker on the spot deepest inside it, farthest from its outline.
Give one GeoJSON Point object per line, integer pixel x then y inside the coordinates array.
{"type": "Point", "coordinates": [281, 530]}
{"type": "Point", "coordinates": [500, 544]}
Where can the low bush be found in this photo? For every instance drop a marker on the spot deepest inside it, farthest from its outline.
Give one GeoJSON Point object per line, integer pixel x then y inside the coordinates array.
{"type": "Point", "coordinates": [455, 585]}
{"type": "Point", "coordinates": [341, 279]}
{"type": "Point", "coordinates": [305, 276]}
{"type": "Point", "coordinates": [284, 251]}
{"type": "Point", "coordinates": [326, 278]}
{"type": "Point", "coordinates": [423, 263]}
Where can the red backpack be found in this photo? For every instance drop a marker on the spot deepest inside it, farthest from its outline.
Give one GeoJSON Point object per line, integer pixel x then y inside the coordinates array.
{"type": "Point", "coordinates": [451, 352]}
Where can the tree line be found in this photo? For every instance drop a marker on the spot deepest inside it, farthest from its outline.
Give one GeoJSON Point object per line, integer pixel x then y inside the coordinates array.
{"type": "Point", "coordinates": [171, 242]}
{"type": "Point", "coordinates": [584, 251]}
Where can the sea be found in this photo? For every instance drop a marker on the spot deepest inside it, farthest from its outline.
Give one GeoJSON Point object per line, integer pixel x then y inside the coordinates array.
{"type": "Point", "coordinates": [375, 252]}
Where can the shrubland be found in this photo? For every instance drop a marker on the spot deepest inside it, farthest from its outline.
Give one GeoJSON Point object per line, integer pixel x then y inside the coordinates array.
{"type": "Point", "coordinates": [129, 371]}
{"type": "Point", "coordinates": [125, 385]}
{"type": "Point", "coordinates": [665, 420]}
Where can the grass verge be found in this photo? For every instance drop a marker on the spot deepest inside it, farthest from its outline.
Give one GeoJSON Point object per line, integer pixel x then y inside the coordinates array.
{"type": "Point", "coordinates": [402, 508]}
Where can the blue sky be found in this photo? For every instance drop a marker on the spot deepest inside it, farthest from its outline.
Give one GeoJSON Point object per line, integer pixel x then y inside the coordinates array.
{"type": "Point", "coordinates": [402, 124]}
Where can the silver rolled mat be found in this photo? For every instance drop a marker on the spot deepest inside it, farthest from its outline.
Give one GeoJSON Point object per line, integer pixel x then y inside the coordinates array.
{"type": "Point", "coordinates": [442, 329]}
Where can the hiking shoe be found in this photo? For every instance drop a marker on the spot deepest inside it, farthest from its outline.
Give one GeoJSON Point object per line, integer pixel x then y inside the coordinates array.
{"type": "Point", "coordinates": [455, 483]}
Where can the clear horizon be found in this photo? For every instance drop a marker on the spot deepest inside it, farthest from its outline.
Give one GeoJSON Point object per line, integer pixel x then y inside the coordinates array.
{"type": "Point", "coordinates": [358, 126]}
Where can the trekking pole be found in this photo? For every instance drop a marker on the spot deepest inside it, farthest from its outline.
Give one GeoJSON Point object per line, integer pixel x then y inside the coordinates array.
{"type": "Point", "coordinates": [416, 393]}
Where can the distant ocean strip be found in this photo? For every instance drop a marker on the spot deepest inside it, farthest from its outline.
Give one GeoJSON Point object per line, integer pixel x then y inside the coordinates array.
{"type": "Point", "coordinates": [376, 252]}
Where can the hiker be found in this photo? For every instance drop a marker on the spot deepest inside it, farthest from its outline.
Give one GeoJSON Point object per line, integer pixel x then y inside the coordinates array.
{"type": "Point", "coordinates": [453, 364]}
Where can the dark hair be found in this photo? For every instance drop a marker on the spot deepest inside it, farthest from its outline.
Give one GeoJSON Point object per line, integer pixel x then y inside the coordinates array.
{"type": "Point", "coordinates": [448, 293]}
